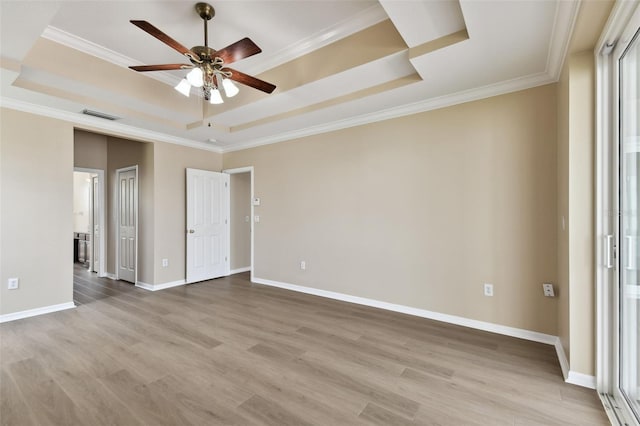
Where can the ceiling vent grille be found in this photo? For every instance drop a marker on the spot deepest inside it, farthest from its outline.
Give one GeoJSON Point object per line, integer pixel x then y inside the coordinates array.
{"type": "Point", "coordinates": [100, 115]}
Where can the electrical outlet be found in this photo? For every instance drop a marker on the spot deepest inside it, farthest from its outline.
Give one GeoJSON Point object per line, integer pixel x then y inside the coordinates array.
{"type": "Point", "coordinates": [13, 283]}
{"type": "Point", "coordinates": [548, 290]}
{"type": "Point", "coordinates": [256, 218]}
{"type": "Point", "coordinates": [303, 265]}
{"type": "Point", "coordinates": [165, 263]}
{"type": "Point", "coordinates": [488, 290]}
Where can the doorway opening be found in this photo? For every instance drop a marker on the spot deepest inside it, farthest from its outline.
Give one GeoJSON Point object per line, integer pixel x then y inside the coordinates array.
{"type": "Point", "coordinates": [88, 220]}
{"type": "Point", "coordinates": [242, 217]}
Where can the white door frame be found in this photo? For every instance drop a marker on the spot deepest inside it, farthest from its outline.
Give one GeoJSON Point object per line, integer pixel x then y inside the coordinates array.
{"type": "Point", "coordinates": [249, 170]}
{"type": "Point", "coordinates": [101, 218]}
{"type": "Point", "coordinates": [117, 230]}
{"type": "Point", "coordinates": [607, 201]}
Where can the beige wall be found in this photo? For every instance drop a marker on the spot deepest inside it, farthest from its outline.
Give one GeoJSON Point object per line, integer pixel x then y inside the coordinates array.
{"type": "Point", "coordinates": [420, 210]}
{"type": "Point", "coordinates": [240, 226]}
{"type": "Point", "coordinates": [36, 204]}
{"type": "Point", "coordinates": [125, 153]}
{"type": "Point", "coordinates": [581, 219]}
{"type": "Point", "coordinates": [171, 162]}
{"type": "Point", "coordinates": [562, 286]}
{"type": "Point", "coordinates": [89, 150]}
{"type": "Point", "coordinates": [162, 197]}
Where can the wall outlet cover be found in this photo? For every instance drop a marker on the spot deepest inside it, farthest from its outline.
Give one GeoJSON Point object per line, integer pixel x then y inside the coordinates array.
{"type": "Point", "coordinates": [13, 283]}
{"type": "Point", "coordinates": [488, 290]}
{"type": "Point", "coordinates": [547, 288]}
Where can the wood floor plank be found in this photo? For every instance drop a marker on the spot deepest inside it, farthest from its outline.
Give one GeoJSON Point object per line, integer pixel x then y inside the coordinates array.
{"type": "Point", "coordinates": [13, 409]}
{"type": "Point", "coordinates": [270, 413]}
{"type": "Point", "coordinates": [229, 351]}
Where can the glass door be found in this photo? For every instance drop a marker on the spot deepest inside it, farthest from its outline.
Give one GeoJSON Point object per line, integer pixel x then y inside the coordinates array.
{"type": "Point", "coordinates": [628, 289]}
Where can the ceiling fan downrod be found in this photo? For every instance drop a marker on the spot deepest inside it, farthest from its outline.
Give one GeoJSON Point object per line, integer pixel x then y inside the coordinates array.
{"type": "Point", "coordinates": [206, 12]}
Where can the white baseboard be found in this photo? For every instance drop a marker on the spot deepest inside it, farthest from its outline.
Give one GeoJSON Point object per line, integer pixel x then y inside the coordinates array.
{"type": "Point", "coordinates": [111, 276]}
{"type": "Point", "coordinates": [569, 376]}
{"type": "Point", "coordinates": [156, 287]}
{"type": "Point", "coordinates": [239, 270]}
{"type": "Point", "coordinates": [562, 358]}
{"type": "Point", "coordinates": [37, 311]}
{"type": "Point", "coordinates": [451, 319]}
{"type": "Point", "coordinates": [580, 379]}
{"type": "Point", "coordinates": [572, 377]}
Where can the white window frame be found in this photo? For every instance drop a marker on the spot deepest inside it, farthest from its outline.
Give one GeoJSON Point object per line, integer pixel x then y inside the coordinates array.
{"type": "Point", "coordinates": [607, 52]}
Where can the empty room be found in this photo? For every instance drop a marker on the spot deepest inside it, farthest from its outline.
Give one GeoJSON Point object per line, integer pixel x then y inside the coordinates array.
{"type": "Point", "coordinates": [320, 212]}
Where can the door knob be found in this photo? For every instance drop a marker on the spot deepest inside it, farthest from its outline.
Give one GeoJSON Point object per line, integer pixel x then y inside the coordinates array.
{"type": "Point", "coordinates": [191, 231]}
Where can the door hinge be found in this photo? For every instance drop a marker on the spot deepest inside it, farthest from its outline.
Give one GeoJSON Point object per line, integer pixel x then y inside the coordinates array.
{"type": "Point", "coordinates": [225, 221]}
{"type": "Point", "coordinates": [225, 258]}
{"type": "Point", "coordinates": [226, 184]}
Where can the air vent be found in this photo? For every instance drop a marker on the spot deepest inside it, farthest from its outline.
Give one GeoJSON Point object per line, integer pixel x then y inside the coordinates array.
{"type": "Point", "coordinates": [100, 115]}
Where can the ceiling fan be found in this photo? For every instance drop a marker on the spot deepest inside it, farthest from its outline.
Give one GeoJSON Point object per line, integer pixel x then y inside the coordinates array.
{"type": "Point", "coordinates": [208, 66]}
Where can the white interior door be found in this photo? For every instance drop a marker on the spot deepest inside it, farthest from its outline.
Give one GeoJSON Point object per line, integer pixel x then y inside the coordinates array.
{"type": "Point", "coordinates": [207, 225]}
{"type": "Point", "coordinates": [127, 212]}
{"type": "Point", "coordinates": [95, 223]}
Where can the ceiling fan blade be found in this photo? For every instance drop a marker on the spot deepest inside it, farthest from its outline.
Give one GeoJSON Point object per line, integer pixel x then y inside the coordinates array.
{"type": "Point", "coordinates": [163, 67]}
{"type": "Point", "coordinates": [248, 80]}
{"type": "Point", "coordinates": [238, 50]}
{"type": "Point", "coordinates": [147, 27]}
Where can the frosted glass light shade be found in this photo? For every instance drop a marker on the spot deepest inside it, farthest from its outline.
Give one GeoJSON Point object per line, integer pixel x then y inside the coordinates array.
{"type": "Point", "coordinates": [230, 89]}
{"type": "Point", "coordinates": [215, 97]}
{"type": "Point", "coordinates": [184, 87]}
{"type": "Point", "coordinates": [195, 77]}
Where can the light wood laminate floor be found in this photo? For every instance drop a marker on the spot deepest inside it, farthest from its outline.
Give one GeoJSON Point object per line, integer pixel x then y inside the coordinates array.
{"type": "Point", "coordinates": [235, 353]}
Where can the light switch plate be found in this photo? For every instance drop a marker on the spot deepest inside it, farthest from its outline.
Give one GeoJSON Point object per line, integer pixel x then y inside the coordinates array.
{"type": "Point", "coordinates": [256, 201]}
{"type": "Point", "coordinates": [257, 218]}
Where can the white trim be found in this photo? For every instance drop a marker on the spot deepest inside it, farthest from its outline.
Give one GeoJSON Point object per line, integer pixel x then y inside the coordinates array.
{"type": "Point", "coordinates": [488, 91]}
{"type": "Point", "coordinates": [92, 123]}
{"type": "Point", "coordinates": [111, 276]}
{"type": "Point", "coordinates": [37, 311]}
{"type": "Point", "coordinates": [564, 21]}
{"type": "Point", "coordinates": [240, 270]}
{"type": "Point", "coordinates": [571, 377]}
{"type": "Point", "coordinates": [580, 379]}
{"type": "Point", "coordinates": [322, 38]}
{"type": "Point", "coordinates": [248, 169]}
{"type": "Point", "coordinates": [562, 358]}
{"type": "Point", "coordinates": [156, 287]}
{"type": "Point", "coordinates": [90, 48]}
{"type": "Point", "coordinates": [520, 333]}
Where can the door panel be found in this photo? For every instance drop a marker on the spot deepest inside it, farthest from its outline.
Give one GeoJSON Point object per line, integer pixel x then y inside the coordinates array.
{"type": "Point", "coordinates": [127, 225]}
{"type": "Point", "coordinates": [207, 225]}
{"type": "Point", "coordinates": [629, 285]}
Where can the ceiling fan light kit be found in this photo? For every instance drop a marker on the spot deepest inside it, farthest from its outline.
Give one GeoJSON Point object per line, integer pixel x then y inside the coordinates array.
{"type": "Point", "coordinates": [209, 69]}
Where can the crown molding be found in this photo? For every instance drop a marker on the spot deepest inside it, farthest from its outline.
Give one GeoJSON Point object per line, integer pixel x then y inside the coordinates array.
{"type": "Point", "coordinates": [326, 36]}
{"type": "Point", "coordinates": [366, 18]}
{"type": "Point", "coordinates": [563, 24]}
{"type": "Point", "coordinates": [488, 91]}
{"type": "Point", "coordinates": [92, 123]}
{"type": "Point", "coordinates": [90, 48]}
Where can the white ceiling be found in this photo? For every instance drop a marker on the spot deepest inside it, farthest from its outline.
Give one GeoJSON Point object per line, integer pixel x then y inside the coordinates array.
{"type": "Point", "coordinates": [507, 46]}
